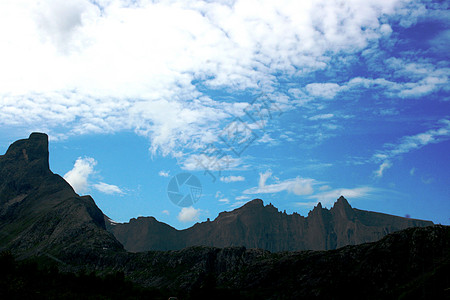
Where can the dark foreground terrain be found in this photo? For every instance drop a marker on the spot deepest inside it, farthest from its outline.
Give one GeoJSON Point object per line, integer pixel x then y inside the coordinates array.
{"type": "Point", "coordinates": [410, 264]}
{"type": "Point", "coordinates": [55, 244]}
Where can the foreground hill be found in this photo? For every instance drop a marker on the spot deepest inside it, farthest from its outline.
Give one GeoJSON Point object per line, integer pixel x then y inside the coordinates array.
{"type": "Point", "coordinates": [257, 226]}
{"type": "Point", "coordinates": [410, 264]}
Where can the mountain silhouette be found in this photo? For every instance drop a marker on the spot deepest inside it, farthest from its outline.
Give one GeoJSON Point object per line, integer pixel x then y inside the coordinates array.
{"type": "Point", "coordinates": [39, 210]}
{"type": "Point", "coordinates": [257, 226]}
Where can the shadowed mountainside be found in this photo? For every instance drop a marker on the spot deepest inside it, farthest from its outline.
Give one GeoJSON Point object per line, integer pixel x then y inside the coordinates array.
{"type": "Point", "coordinates": [257, 226]}
{"type": "Point", "coordinates": [39, 211]}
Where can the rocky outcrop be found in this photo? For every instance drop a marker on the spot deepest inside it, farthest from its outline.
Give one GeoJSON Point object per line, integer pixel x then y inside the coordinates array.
{"type": "Point", "coordinates": [39, 211]}
{"type": "Point", "coordinates": [257, 226]}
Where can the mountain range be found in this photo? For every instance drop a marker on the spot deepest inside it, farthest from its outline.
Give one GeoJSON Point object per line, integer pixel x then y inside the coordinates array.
{"type": "Point", "coordinates": [257, 226]}
{"type": "Point", "coordinates": [43, 220]}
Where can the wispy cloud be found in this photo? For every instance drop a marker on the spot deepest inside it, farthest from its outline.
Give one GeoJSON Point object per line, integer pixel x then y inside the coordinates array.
{"type": "Point", "coordinates": [232, 178]}
{"type": "Point", "coordinates": [413, 142]}
{"type": "Point", "coordinates": [410, 143]}
{"type": "Point", "coordinates": [224, 201]}
{"type": "Point", "coordinates": [201, 162]}
{"type": "Point", "coordinates": [107, 188]}
{"type": "Point", "coordinates": [385, 165]}
{"type": "Point", "coordinates": [163, 173]}
{"type": "Point", "coordinates": [329, 197]}
{"type": "Point", "coordinates": [321, 117]}
{"type": "Point", "coordinates": [297, 186]}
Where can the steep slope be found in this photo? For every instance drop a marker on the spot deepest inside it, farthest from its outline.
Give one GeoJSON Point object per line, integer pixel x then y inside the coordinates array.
{"type": "Point", "coordinates": [257, 226]}
{"type": "Point", "coordinates": [39, 211]}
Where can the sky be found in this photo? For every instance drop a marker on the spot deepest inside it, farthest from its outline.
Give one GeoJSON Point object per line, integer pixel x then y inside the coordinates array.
{"type": "Point", "coordinates": [292, 102]}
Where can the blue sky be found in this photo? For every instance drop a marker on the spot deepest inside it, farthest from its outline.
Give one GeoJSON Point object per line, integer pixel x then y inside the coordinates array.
{"type": "Point", "coordinates": [293, 102]}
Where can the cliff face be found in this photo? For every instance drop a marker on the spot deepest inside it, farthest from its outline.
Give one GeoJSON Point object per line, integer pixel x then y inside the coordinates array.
{"type": "Point", "coordinates": [39, 211]}
{"type": "Point", "coordinates": [257, 226]}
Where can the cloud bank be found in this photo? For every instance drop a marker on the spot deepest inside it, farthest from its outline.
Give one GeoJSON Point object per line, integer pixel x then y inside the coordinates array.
{"type": "Point", "coordinates": [107, 66]}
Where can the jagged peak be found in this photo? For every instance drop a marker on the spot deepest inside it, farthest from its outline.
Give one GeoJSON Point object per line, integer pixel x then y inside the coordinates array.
{"type": "Point", "coordinates": [343, 208]}
{"type": "Point", "coordinates": [318, 209]}
{"type": "Point", "coordinates": [341, 201]}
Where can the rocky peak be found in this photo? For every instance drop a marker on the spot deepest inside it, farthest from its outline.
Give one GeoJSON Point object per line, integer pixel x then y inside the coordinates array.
{"type": "Point", "coordinates": [254, 203]}
{"type": "Point", "coordinates": [24, 166]}
{"type": "Point", "coordinates": [32, 152]}
{"type": "Point", "coordinates": [342, 208]}
{"type": "Point", "coordinates": [316, 210]}
{"type": "Point", "coordinates": [342, 201]}
{"type": "Point", "coordinates": [342, 204]}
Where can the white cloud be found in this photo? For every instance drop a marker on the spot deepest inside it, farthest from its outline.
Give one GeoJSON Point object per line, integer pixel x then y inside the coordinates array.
{"type": "Point", "coordinates": [412, 171]}
{"type": "Point", "coordinates": [78, 178]}
{"type": "Point", "coordinates": [239, 198]}
{"type": "Point", "coordinates": [385, 165]}
{"type": "Point", "coordinates": [324, 90]}
{"type": "Point", "coordinates": [321, 117]}
{"type": "Point", "coordinates": [166, 212]}
{"type": "Point", "coordinates": [107, 188]}
{"type": "Point", "coordinates": [423, 79]}
{"type": "Point", "coordinates": [232, 178]}
{"type": "Point", "coordinates": [164, 173]}
{"type": "Point", "coordinates": [297, 186]}
{"type": "Point", "coordinates": [329, 197]}
{"type": "Point", "coordinates": [224, 201]}
{"type": "Point", "coordinates": [263, 178]}
{"type": "Point", "coordinates": [266, 139]}
{"type": "Point", "coordinates": [103, 68]}
{"type": "Point", "coordinates": [420, 140]}
{"type": "Point", "coordinates": [59, 20]}
{"type": "Point", "coordinates": [324, 188]}
{"type": "Point", "coordinates": [202, 162]}
{"type": "Point", "coordinates": [189, 214]}
{"type": "Point", "coordinates": [79, 175]}
{"type": "Point", "coordinates": [410, 143]}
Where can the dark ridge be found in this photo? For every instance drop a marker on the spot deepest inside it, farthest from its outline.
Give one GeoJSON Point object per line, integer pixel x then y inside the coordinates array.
{"type": "Point", "coordinates": [257, 226]}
